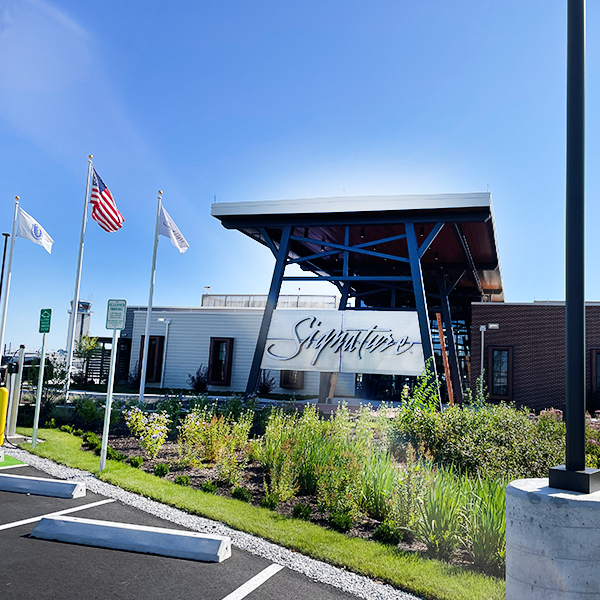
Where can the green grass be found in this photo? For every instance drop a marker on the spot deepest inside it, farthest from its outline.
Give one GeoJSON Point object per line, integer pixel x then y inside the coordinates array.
{"type": "Point", "coordinates": [429, 579]}
{"type": "Point", "coordinates": [9, 461]}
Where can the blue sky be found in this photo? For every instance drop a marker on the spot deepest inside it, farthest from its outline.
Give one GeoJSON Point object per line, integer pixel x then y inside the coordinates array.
{"type": "Point", "coordinates": [271, 100]}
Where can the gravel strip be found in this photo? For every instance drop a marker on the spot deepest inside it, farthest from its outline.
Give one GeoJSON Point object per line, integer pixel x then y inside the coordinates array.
{"type": "Point", "coordinates": [358, 585]}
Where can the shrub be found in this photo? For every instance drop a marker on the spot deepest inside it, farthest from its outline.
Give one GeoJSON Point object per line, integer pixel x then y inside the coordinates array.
{"type": "Point", "coordinates": [150, 428]}
{"type": "Point", "coordinates": [67, 428]}
{"type": "Point", "coordinates": [210, 487]}
{"type": "Point", "coordinates": [136, 462]}
{"type": "Point", "coordinates": [340, 521]}
{"type": "Point", "coordinates": [161, 469]}
{"type": "Point", "coordinates": [386, 533]}
{"type": "Point", "coordinates": [199, 381]}
{"type": "Point", "coordinates": [91, 439]}
{"type": "Point", "coordinates": [171, 405]}
{"type": "Point", "coordinates": [301, 511]}
{"type": "Point", "coordinates": [492, 440]}
{"type": "Point", "coordinates": [230, 468]}
{"type": "Point", "coordinates": [113, 454]}
{"type": "Point", "coordinates": [266, 384]}
{"type": "Point", "coordinates": [241, 493]}
{"type": "Point", "coordinates": [338, 486]}
{"type": "Point", "coordinates": [183, 480]}
{"type": "Point", "coordinates": [78, 432]}
{"type": "Point", "coordinates": [270, 500]}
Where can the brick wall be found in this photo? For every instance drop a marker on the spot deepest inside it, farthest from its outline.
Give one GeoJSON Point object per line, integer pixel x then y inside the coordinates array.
{"type": "Point", "coordinates": [536, 332]}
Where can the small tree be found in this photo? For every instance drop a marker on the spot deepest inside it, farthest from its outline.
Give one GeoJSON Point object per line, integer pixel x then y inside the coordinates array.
{"type": "Point", "coordinates": [199, 381]}
{"type": "Point", "coordinates": [85, 349]}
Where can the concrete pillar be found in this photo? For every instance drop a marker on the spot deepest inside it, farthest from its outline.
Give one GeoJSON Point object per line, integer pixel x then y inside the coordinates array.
{"type": "Point", "coordinates": [552, 543]}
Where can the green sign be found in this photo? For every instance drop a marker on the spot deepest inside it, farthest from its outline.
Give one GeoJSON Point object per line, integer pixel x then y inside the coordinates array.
{"type": "Point", "coordinates": [45, 315]}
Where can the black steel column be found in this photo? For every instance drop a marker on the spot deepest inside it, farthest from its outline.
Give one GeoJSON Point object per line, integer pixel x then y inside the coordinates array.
{"type": "Point", "coordinates": [282, 254]}
{"type": "Point", "coordinates": [574, 475]}
{"type": "Point", "coordinates": [452, 354]}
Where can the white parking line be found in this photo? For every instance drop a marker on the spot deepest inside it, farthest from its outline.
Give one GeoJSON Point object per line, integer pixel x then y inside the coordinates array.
{"type": "Point", "coordinates": [55, 514]}
{"type": "Point", "coordinates": [253, 583]}
{"type": "Point", "coordinates": [13, 466]}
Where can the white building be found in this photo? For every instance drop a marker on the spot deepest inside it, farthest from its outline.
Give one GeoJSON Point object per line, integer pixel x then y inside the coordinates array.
{"type": "Point", "coordinates": [220, 335]}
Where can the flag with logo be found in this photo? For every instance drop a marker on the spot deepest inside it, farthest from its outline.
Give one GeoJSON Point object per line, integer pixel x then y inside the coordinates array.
{"type": "Point", "coordinates": [30, 229]}
{"type": "Point", "coordinates": [104, 209]}
{"type": "Point", "coordinates": [168, 228]}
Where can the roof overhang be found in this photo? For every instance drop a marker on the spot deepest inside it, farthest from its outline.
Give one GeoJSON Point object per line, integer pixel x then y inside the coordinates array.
{"type": "Point", "coordinates": [465, 246]}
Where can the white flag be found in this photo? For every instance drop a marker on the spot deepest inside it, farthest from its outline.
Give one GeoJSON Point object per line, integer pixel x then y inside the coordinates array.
{"type": "Point", "coordinates": [30, 229]}
{"type": "Point", "coordinates": [169, 229]}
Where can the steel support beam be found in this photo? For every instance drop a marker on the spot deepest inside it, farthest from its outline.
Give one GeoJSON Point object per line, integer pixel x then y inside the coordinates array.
{"type": "Point", "coordinates": [282, 253]}
{"type": "Point", "coordinates": [420, 298]}
{"type": "Point", "coordinates": [452, 354]}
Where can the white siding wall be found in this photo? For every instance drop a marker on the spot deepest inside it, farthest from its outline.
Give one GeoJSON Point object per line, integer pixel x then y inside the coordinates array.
{"type": "Point", "coordinates": [188, 347]}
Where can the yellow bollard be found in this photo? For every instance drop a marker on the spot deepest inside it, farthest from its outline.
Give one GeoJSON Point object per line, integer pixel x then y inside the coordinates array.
{"type": "Point", "coordinates": [3, 407]}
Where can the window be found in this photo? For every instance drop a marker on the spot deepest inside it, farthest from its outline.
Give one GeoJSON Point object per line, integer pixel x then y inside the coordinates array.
{"type": "Point", "coordinates": [219, 361]}
{"type": "Point", "coordinates": [291, 380]}
{"type": "Point", "coordinates": [499, 372]}
{"type": "Point", "coordinates": [156, 344]}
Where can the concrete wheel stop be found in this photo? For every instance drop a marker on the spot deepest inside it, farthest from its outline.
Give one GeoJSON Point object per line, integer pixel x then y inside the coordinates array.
{"type": "Point", "coordinates": [552, 542]}
{"type": "Point", "coordinates": [136, 538]}
{"type": "Point", "coordinates": [40, 486]}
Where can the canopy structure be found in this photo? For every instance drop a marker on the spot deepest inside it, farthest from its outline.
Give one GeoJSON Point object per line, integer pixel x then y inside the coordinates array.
{"type": "Point", "coordinates": [429, 253]}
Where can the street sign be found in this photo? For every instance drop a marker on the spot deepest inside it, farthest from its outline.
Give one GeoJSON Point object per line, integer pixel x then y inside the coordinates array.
{"type": "Point", "coordinates": [45, 316]}
{"type": "Point", "coordinates": [115, 314]}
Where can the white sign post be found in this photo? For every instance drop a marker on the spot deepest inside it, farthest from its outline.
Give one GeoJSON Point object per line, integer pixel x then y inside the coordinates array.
{"type": "Point", "coordinates": [115, 320]}
{"type": "Point", "coordinates": [45, 316]}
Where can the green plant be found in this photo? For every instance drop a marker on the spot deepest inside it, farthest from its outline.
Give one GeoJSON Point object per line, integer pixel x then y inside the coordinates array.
{"type": "Point", "coordinates": [210, 487]}
{"type": "Point", "coordinates": [386, 533]}
{"type": "Point", "coordinates": [87, 411]}
{"type": "Point", "coordinates": [183, 480]}
{"type": "Point", "coordinates": [113, 454]}
{"type": "Point", "coordinates": [67, 428]}
{"type": "Point", "coordinates": [91, 439]}
{"type": "Point", "coordinates": [270, 501]}
{"type": "Point", "coordinates": [171, 405]}
{"type": "Point", "coordinates": [136, 461]}
{"type": "Point", "coordinates": [302, 511]}
{"type": "Point", "coordinates": [340, 521]}
{"type": "Point", "coordinates": [440, 524]}
{"type": "Point", "coordinates": [199, 381]}
{"type": "Point", "coordinates": [485, 524]}
{"type": "Point", "coordinates": [78, 432]}
{"type": "Point", "coordinates": [230, 467]}
{"type": "Point", "coordinates": [266, 384]}
{"type": "Point", "coordinates": [241, 493]}
{"type": "Point", "coordinates": [150, 428]}
{"type": "Point", "coordinates": [161, 469]}
{"type": "Point", "coordinates": [51, 424]}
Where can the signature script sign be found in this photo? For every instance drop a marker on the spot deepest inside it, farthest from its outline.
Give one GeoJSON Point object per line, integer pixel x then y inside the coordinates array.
{"type": "Point", "coordinates": [344, 341]}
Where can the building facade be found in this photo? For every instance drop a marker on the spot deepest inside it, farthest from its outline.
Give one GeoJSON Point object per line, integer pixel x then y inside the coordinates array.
{"type": "Point", "coordinates": [524, 352]}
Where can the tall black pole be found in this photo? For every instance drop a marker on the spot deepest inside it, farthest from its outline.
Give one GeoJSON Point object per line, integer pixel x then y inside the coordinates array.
{"type": "Point", "coordinates": [575, 215]}
{"type": "Point", "coordinates": [574, 475]}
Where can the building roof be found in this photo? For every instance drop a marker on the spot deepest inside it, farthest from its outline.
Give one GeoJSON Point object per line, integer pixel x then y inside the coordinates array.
{"type": "Point", "coordinates": [465, 246]}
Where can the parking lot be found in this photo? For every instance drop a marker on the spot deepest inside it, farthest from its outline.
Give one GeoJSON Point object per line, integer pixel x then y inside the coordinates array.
{"type": "Point", "coordinates": [33, 568]}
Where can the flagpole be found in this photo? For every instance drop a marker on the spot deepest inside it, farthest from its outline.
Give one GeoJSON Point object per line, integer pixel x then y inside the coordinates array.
{"type": "Point", "coordinates": [150, 296]}
{"type": "Point", "coordinates": [6, 288]}
{"type": "Point", "coordinates": [75, 306]}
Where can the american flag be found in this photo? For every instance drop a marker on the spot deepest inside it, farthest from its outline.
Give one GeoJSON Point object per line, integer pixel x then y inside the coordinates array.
{"type": "Point", "coordinates": [104, 209]}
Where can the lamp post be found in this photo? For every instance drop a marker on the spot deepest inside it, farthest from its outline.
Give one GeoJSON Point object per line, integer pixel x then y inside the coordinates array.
{"type": "Point", "coordinates": [167, 322]}
{"type": "Point", "coordinates": [574, 475]}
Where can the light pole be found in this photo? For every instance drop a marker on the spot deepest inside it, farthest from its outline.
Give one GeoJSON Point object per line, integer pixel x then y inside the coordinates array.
{"type": "Point", "coordinates": [167, 322]}
{"type": "Point", "coordinates": [483, 328]}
